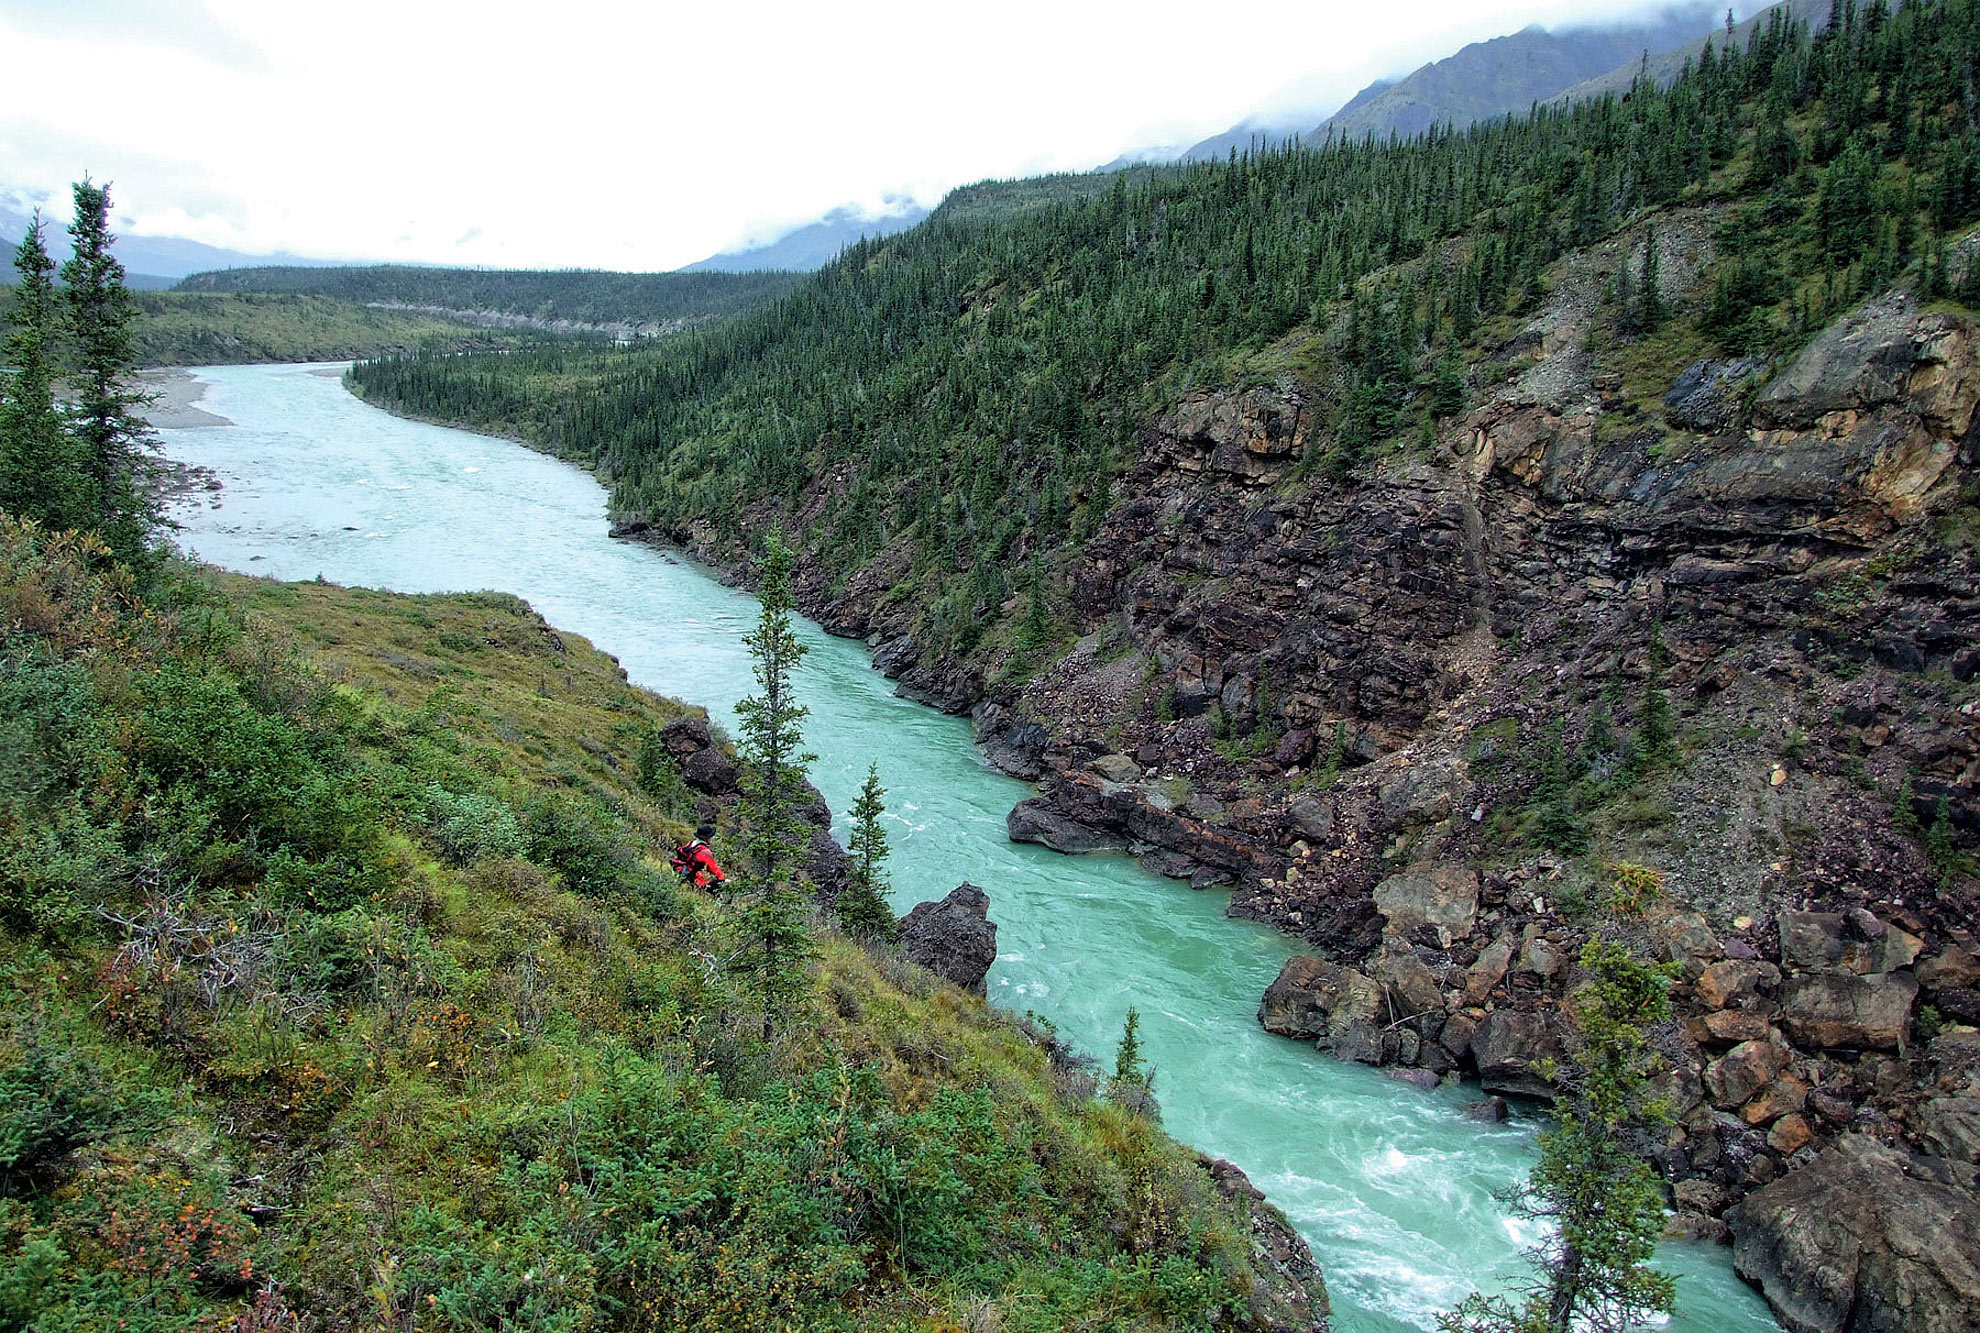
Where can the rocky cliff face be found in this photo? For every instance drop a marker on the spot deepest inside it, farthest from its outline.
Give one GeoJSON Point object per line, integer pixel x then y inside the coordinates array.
{"type": "Point", "coordinates": [1344, 703]}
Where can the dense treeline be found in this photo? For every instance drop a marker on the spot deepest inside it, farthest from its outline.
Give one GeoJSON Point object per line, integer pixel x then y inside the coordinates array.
{"type": "Point", "coordinates": [583, 296]}
{"type": "Point", "coordinates": [974, 384]}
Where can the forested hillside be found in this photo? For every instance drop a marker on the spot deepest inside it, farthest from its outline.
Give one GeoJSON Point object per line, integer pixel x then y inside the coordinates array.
{"type": "Point", "coordinates": [1465, 549]}
{"type": "Point", "coordinates": [935, 375]}
{"type": "Point", "coordinates": [655, 301]}
{"type": "Point", "coordinates": [213, 329]}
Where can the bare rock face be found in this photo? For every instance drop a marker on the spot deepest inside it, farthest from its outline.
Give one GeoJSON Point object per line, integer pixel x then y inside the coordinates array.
{"type": "Point", "coordinates": [1705, 397]}
{"type": "Point", "coordinates": [1949, 1127]}
{"type": "Point", "coordinates": [1335, 1007]}
{"type": "Point", "coordinates": [1288, 1293]}
{"type": "Point", "coordinates": [1865, 1237]}
{"type": "Point", "coordinates": [953, 938]}
{"type": "Point", "coordinates": [1012, 743]}
{"type": "Point", "coordinates": [1511, 1046]}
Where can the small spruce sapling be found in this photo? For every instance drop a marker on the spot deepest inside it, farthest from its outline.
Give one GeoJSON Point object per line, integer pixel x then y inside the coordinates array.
{"type": "Point", "coordinates": [862, 904]}
{"type": "Point", "coordinates": [1132, 1088]}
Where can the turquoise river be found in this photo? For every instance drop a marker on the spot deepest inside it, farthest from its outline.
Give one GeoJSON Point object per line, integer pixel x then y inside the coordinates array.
{"type": "Point", "coordinates": [1392, 1187]}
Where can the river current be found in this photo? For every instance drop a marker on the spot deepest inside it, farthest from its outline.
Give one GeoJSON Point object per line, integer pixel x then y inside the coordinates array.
{"type": "Point", "coordinates": [1391, 1186]}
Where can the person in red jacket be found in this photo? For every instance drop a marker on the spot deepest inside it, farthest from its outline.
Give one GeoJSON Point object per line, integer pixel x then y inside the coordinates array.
{"type": "Point", "coordinates": [696, 863]}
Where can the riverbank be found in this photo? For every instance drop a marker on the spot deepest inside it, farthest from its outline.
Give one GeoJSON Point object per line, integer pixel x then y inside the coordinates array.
{"type": "Point", "coordinates": [175, 396]}
{"type": "Point", "coordinates": [423, 986]}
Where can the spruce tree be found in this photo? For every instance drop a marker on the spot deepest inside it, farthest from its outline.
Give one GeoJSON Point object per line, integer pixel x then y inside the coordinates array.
{"type": "Point", "coordinates": [776, 944]}
{"type": "Point", "coordinates": [114, 443]}
{"type": "Point", "coordinates": [39, 474]}
{"type": "Point", "coordinates": [1132, 1088]}
{"type": "Point", "coordinates": [1592, 1183]}
{"type": "Point", "coordinates": [1653, 312]}
{"type": "Point", "coordinates": [862, 904]}
{"type": "Point", "coordinates": [1656, 730]}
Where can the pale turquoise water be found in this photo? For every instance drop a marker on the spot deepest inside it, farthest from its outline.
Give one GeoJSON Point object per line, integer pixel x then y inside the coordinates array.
{"type": "Point", "coordinates": [1389, 1185]}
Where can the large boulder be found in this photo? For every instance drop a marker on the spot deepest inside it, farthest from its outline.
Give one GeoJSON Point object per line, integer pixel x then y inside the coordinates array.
{"type": "Point", "coordinates": [1488, 971]}
{"type": "Point", "coordinates": [1735, 982]}
{"type": "Point", "coordinates": [1039, 820]}
{"type": "Point", "coordinates": [1443, 898]}
{"type": "Point", "coordinates": [1422, 793]}
{"type": "Point", "coordinates": [953, 938]}
{"type": "Point", "coordinates": [1734, 1077]}
{"type": "Point", "coordinates": [1335, 1007]}
{"type": "Point", "coordinates": [1411, 987]}
{"type": "Point", "coordinates": [1853, 941]}
{"type": "Point", "coordinates": [1864, 1238]}
{"type": "Point", "coordinates": [1834, 1010]}
{"type": "Point", "coordinates": [1857, 363]}
{"type": "Point", "coordinates": [1512, 1049]}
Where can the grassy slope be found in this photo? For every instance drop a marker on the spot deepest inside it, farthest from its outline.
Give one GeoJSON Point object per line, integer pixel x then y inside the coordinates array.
{"type": "Point", "coordinates": [339, 978]}
{"type": "Point", "coordinates": [587, 296]}
{"type": "Point", "coordinates": [206, 329]}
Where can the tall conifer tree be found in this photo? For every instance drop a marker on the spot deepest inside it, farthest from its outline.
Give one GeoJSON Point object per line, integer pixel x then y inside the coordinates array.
{"type": "Point", "coordinates": [776, 943]}
{"type": "Point", "coordinates": [114, 443]}
{"type": "Point", "coordinates": [39, 477]}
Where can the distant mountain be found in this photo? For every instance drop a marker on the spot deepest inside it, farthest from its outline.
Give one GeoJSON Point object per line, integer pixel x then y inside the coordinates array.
{"type": "Point", "coordinates": [149, 261]}
{"type": "Point", "coordinates": [1664, 66]}
{"type": "Point", "coordinates": [1488, 79]}
{"type": "Point", "coordinates": [811, 246]}
{"type": "Point", "coordinates": [1251, 133]}
{"type": "Point", "coordinates": [1483, 80]}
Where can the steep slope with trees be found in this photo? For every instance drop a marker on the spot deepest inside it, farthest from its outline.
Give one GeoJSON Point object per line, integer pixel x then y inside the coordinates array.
{"type": "Point", "coordinates": [1463, 548]}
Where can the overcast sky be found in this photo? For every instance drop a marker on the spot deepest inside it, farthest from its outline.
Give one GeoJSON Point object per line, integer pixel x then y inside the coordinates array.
{"type": "Point", "coordinates": [628, 135]}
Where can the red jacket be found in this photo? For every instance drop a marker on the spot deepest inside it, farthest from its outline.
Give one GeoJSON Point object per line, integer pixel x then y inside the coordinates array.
{"type": "Point", "coordinates": [697, 865]}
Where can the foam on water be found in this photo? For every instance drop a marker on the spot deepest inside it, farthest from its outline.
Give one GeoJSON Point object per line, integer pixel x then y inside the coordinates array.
{"type": "Point", "coordinates": [1392, 1187]}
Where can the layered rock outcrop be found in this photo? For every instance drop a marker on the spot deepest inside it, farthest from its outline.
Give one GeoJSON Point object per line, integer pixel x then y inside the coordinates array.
{"type": "Point", "coordinates": [1345, 699]}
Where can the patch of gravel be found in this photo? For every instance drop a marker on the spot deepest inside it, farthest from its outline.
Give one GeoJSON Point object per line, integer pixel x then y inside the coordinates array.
{"type": "Point", "coordinates": [173, 393]}
{"type": "Point", "coordinates": [1563, 374]}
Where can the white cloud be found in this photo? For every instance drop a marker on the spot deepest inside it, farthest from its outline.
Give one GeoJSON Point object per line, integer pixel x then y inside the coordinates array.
{"type": "Point", "coordinates": [642, 135]}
